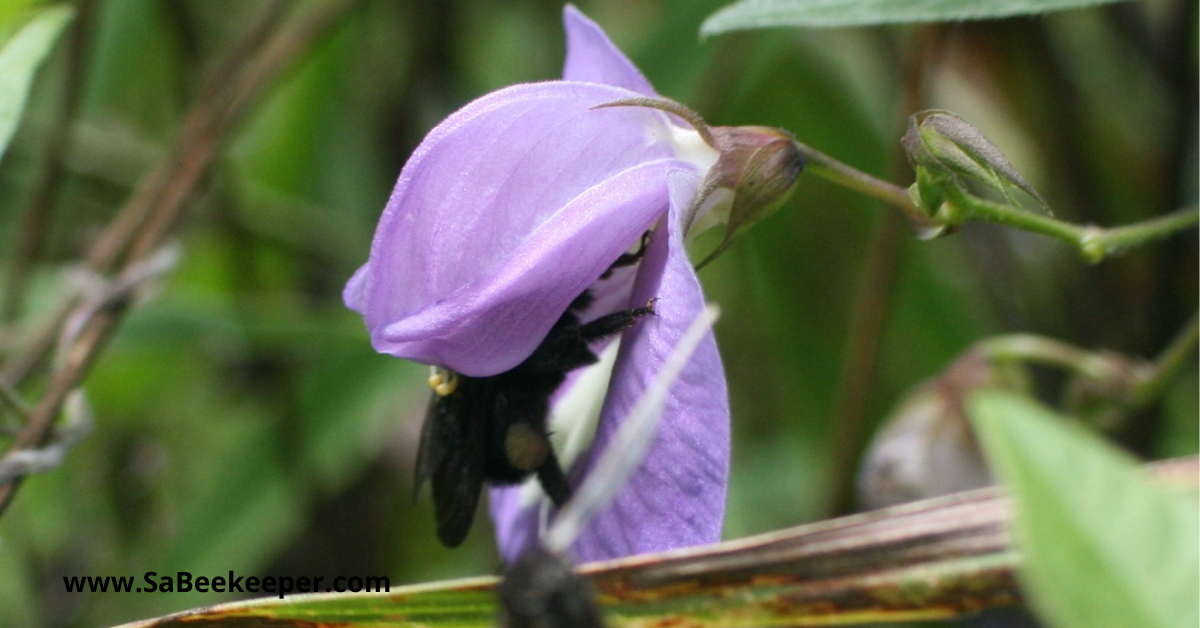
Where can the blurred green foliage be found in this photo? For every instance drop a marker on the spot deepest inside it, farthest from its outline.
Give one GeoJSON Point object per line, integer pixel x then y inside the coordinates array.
{"type": "Point", "coordinates": [1089, 520]}
{"type": "Point", "coordinates": [243, 421]}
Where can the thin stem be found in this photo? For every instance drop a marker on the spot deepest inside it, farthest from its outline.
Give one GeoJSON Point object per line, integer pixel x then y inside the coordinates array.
{"type": "Point", "coordinates": [1148, 382]}
{"type": "Point", "coordinates": [872, 306]}
{"type": "Point", "coordinates": [1092, 242]}
{"type": "Point", "coordinates": [192, 146]}
{"type": "Point", "coordinates": [1119, 238]}
{"type": "Point", "coordinates": [1036, 349]}
{"type": "Point", "coordinates": [1168, 363]}
{"type": "Point", "coordinates": [143, 231]}
{"type": "Point", "coordinates": [832, 170]}
{"type": "Point", "coordinates": [963, 206]}
{"type": "Point", "coordinates": [875, 297]}
{"type": "Point", "coordinates": [14, 402]}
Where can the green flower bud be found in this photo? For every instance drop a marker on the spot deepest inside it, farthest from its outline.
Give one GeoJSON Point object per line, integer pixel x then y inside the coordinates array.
{"type": "Point", "coordinates": [944, 149]}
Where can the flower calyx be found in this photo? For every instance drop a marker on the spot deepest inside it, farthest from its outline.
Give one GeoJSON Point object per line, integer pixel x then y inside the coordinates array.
{"type": "Point", "coordinates": [755, 174]}
{"type": "Point", "coordinates": [761, 165]}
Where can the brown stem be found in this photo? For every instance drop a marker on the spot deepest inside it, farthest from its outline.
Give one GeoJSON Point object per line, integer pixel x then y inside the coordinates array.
{"type": "Point", "coordinates": [120, 231]}
{"type": "Point", "coordinates": [42, 198]}
{"type": "Point", "coordinates": [862, 355]}
{"type": "Point", "coordinates": [148, 216]}
{"type": "Point", "coordinates": [193, 145]}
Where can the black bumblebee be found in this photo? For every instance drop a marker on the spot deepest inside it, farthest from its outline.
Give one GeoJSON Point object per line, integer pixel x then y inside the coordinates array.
{"type": "Point", "coordinates": [493, 429]}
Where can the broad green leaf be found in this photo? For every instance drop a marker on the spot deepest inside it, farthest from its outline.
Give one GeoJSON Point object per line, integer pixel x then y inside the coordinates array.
{"type": "Point", "coordinates": [19, 61]}
{"type": "Point", "coordinates": [832, 13]}
{"type": "Point", "coordinates": [1101, 545]}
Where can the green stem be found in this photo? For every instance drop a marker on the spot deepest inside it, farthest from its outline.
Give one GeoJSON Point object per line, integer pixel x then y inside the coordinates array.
{"type": "Point", "coordinates": [1168, 363]}
{"type": "Point", "coordinates": [832, 170]}
{"type": "Point", "coordinates": [1120, 238]}
{"type": "Point", "coordinates": [1092, 242]}
{"type": "Point", "coordinates": [1149, 378]}
{"type": "Point", "coordinates": [1036, 349]}
{"type": "Point", "coordinates": [962, 206]}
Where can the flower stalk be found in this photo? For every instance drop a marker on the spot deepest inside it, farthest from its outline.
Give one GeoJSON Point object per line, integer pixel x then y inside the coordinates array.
{"type": "Point", "coordinates": [842, 174]}
{"type": "Point", "coordinates": [1129, 383]}
{"type": "Point", "coordinates": [1093, 243]}
{"type": "Point", "coordinates": [1043, 351]}
{"type": "Point", "coordinates": [1168, 363]}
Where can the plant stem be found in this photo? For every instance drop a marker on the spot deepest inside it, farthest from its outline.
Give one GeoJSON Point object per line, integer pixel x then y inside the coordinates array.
{"type": "Point", "coordinates": [1119, 238]}
{"type": "Point", "coordinates": [37, 214]}
{"type": "Point", "coordinates": [1092, 242]}
{"type": "Point", "coordinates": [832, 170]}
{"type": "Point", "coordinates": [1150, 378]}
{"type": "Point", "coordinates": [149, 215]}
{"type": "Point", "coordinates": [872, 306]}
{"type": "Point", "coordinates": [1047, 352]}
{"type": "Point", "coordinates": [13, 401]}
{"type": "Point", "coordinates": [1168, 363]}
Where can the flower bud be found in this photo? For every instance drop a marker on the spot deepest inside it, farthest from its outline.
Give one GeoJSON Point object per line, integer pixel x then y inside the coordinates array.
{"type": "Point", "coordinates": [945, 149]}
{"type": "Point", "coordinates": [926, 447]}
{"type": "Point", "coordinates": [760, 165]}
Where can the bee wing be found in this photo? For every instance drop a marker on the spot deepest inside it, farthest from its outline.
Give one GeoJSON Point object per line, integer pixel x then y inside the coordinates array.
{"type": "Point", "coordinates": [433, 444]}
{"type": "Point", "coordinates": [453, 455]}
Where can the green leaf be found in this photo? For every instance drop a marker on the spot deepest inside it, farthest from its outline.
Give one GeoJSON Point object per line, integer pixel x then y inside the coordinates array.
{"type": "Point", "coordinates": [1101, 546]}
{"type": "Point", "coordinates": [19, 60]}
{"type": "Point", "coordinates": [11, 12]}
{"type": "Point", "coordinates": [749, 14]}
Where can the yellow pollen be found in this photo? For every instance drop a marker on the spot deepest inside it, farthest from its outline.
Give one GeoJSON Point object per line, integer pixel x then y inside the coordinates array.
{"type": "Point", "coordinates": [443, 381]}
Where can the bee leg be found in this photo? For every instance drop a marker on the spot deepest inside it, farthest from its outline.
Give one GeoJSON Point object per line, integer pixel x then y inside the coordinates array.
{"type": "Point", "coordinates": [628, 259]}
{"type": "Point", "coordinates": [614, 323]}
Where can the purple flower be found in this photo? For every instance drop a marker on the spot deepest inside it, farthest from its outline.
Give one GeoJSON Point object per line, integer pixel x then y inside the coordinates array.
{"type": "Point", "coordinates": [510, 209]}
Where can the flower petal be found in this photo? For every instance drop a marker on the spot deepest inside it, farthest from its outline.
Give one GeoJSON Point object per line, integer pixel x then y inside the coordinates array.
{"type": "Point", "coordinates": [354, 293]}
{"type": "Point", "coordinates": [677, 498]}
{"type": "Point", "coordinates": [505, 213]}
{"type": "Point", "coordinates": [518, 523]}
{"type": "Point", "coordinates": [592, 57]}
